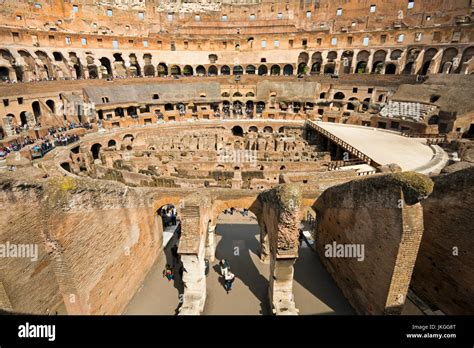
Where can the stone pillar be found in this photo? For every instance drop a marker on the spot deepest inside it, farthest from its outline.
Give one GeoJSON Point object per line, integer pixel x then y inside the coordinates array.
{"type": "Point", "coordinates": [210, 243]}
{"type": "Point", "coordinates": [264, 244]}
{"type": "Point", "coordinates": [281, 285]}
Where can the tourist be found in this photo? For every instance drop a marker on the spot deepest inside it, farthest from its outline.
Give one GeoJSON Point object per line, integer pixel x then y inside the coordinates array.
{"type": "Point", "coordinates": [225, 266]}
{"type": "Point", "coordinates": [168, 272]}
{"type": "Point", "coordinates": [228, 280]}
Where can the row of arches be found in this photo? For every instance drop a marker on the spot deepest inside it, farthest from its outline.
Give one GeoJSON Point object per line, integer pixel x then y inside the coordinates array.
{"type": "Point", "coordinates": [41, 65]}
{"type": "Point", "coordinates": [382, 62]}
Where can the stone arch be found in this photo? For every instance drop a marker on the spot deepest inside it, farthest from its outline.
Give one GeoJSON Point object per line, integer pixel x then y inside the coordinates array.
{"type": "Point", "coordinates": [51, 105]}
{"type": "Point", "coordinates": [275, 70]}
{"type": "Point", "coordinates": [175, 70]}
{"type": "Point", "coordinates": [253, 129]}
{"type": "Point", "coordinates": [111, 143]}
{"type": "Point", "coordinates": [162, 69]}
{"type": "Point", "coordinates": [200, 70]}
{"type": "Point", "coordinates": [427, 60]}
{"type": "Point", "coordinates": [346, 59]}
{"type": "Point", "coordinates": [466, 57]}
{"type": "Point", "coordinates": [212, 71]}
{"type": "Point", "coordinates": [238, 70]}
{"type": "Point", "coordinates": [378, 61]}
{"type": "Point", "coordinates": [95, 150]}
{"type": "Point", "coordinates": [446, 65]}
{"type": "Point", "coordinates": [302, 67]}
{"type": "Point", "coordinates": [225, 70]}
{"type": "Point", "coordinates": [262, 70]}
{"type": "Point", "coordinates": [250, 70]}
{"type": "Point", "coordinates": [23, 118]}
{"type": "Point", "coordinates": [267, 129]}
{"type": "Point", "coordinates": [188, 70]}
{"type": "Point", "coordinates": [135, 69]}
{"type": "Point", "coordinates": [36, 109]}
{"type": "Point", "coordinates": [303, 57]}
{"type": "Point", "coordinates": [396, 54]}
{"type": "Point", "coordinates": [237, 131]}
{"type": "Point", "coordinates": [362, 60]}
{"type": "Point", "coordinates": [105, 67]}
{"type": "Point", "coordinates": [288, 70]}
{"type": "Point", "coordinates": [4, 74]}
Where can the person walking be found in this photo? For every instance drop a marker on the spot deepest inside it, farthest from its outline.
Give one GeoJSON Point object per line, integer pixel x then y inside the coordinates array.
{"type": "Point", "coordinates": [228, 280]}
{"type": "Point", "coordinates": [225, 266]}
{"type": "Point", "coordinates": [168, 272]}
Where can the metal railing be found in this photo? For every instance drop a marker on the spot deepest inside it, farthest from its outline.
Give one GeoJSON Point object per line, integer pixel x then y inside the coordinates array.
{"type": "Point", "coordinates": [355, 152]}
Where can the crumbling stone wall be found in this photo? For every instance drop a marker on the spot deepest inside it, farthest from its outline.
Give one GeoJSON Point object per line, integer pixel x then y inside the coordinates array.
{"type": "Point", "coordinates": [382, 215]}
{"type": "Point", "coordinates": [443, 274]}
{"type": "Point", "coordinates": [96, 240]}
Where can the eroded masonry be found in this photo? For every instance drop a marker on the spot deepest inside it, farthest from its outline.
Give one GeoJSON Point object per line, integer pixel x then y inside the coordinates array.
{"type": "Point", "coordinates": [336, 123]}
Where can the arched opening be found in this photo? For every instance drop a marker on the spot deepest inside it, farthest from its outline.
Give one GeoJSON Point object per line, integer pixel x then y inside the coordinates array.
{"type": "Point", "coordinates": [36, 110]}
{"type": "Point", "coordinates": [95, 149]}
{"type": "Point", "coordinates": [275, 70]}
{"type": "Point", "coordinates": [162, 70]}
{"type": "Point", "coordinates": [23, 118]}
{"type": "Point", "coordinates": [267, 129]}
{"type": "Point", "coordinates": [149, 70]}
{"type": "Point", "coordinates": [169, 218]}
{"type": "Point", "coordinates": [200, 70]}
{"type": "Point", "coordinates": [377, 67]}
{"type": "Point", "coordinates": [4, 74]}
{"type": "Point", "coordinates": [303, 57]}
{"type": "Point", "coordinates": [362, 59]}
{"type": "Point", "coordinates": [93, 71]}
{"type": "Point", "coordinates": [175, 70]}
{"type": "Point", "coordinates": [128, 137]}
{"type": "Point", "coordinates": [427, 59]}
{"type": "Point", "coordinates": [111, 144]}
{"type": "Point", "coordinates": [433, 120]}
{"type": "Point", "coordinates": [237, 131]}
{"type": "Point", "coordinates": [329, 68]}
{"type": "Point", "coordinates": [51, 105]}
{"type": "Point", "coordinates": [390, 69]}
{"type": "Point", "coordinates": [339, 96]}
{"type": "Point", "coordinates": [188, 70]}
{"type": "Point", "coordinates": [352, 105]}
{"type": "Point", "coordinates": [347, 57]}
{"type": "Point", "coordinates": [134, 69]}
{"type": "Point", "coordinates": [262, 70]}
{"type": "Point", "coordinates": [250, 70]}
{"type": "Point", "coordinates": [119, 112]}
{"type": "Point", "coordinates": [105, 67]}
{"type": "Point", "coordinates": [238, 70]}
{"type": "Point", "coordinates": [249, 108]}
{"type": "Point", "coordinates": [396, 54]}
{"type": "Point", "coordinates": [225, 70]}
{"type": "Point", "coordinates": [281, 130]}
{"type": "Point", "coordinates": [260, 107]}
{"type": "Point", "coordinates": [302, 69]}
{"type": "Point", "coordinates": [447, 61]}
{"type": "Point", "coordinates": [253, 129]}
{"type": "Point", "coordinates": [212, 70]}
{"type": "Point", "coordinates": [288, 70]}
{"type": "Point", "coordinates": [466, 57]}
{"type": "Point", "coordinates": [316, 68]}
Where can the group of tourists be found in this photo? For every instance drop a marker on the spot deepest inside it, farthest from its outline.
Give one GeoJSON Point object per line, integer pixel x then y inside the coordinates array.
{"type": "Point", "coordinates": [169, 216]}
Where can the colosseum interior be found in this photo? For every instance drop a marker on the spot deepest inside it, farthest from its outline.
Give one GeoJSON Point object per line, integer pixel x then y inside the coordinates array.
{"type": "Point", "coordinates": [324, 148]}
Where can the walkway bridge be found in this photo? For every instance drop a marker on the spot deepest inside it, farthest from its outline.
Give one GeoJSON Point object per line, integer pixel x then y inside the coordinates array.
{"type": "Point", "coordinates": [378, 147]}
